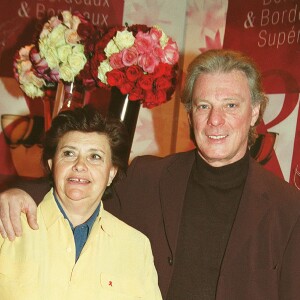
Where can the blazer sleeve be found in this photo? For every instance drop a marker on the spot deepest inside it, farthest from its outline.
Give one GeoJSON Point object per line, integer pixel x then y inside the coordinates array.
{"type": "Point", "coordinates": [289, 278]}
{"type": "Point", "coordinates": [152, 291]}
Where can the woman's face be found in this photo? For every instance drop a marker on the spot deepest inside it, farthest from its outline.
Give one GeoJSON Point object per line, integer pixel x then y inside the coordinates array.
{"type": "Point", "coordinates": [82, 167]}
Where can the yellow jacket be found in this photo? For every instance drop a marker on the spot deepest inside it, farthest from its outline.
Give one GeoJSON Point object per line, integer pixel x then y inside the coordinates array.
{"type": "Point", "coordinates": [116, 262]}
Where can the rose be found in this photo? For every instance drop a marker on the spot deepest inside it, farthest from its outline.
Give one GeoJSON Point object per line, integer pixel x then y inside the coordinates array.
{"type": "Point", "coordinates": [133, 73]}
{"type": "Point", "coordinates": [111, 48]}
{"type": "Point", "coordinates": [148, 62]}
{"type": "Point", "coordinates": [154, 99]}
{"type": "Point", "coordinates": [146, 82]}
{"type": "Point", "coordinates": [55, 36]}
{"type": "Point", "coordinates": [136, 94]}
{"type": "Point", "coordinates": [144, 42]}
{"type": "Point", "coordinates": [66, 73]}
{"type": "Point", "coordinates": [31, 90]}
{"type": "Point", "coordinates": [126, 87]}
{"type": "Point", "coordinates": [116, 61]}
{"type": "Point", "coordinates": [171, 53]}
{"type": "Point", "coordinates": [71, 36]}
{"type": "Point", "coordinates": [162, 83]}
{"type": "Point", "coordinates": [102, 70]}
{"type": "Point", "coordinates": [64, 52]}
{"type": "Point", "coordinates": [130, 56]}
{"type": "Point", "coordinates": [115, 78]}
{"type": "Point", "coordinates": [124, 39]}
{"type": "Point", "coordinates": [77, 60]}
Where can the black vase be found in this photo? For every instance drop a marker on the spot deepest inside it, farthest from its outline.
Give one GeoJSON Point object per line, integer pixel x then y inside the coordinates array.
{"type": "Point", "coordinates": [127, 111]}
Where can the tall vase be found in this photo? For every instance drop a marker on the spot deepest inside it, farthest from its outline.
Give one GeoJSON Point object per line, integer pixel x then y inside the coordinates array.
{"type": "Point", "coordinates": [69, 96]}
{"type": "Point", "coordinates": [48, 103]}
{"type": "Point", "coordinates": [127, 111]}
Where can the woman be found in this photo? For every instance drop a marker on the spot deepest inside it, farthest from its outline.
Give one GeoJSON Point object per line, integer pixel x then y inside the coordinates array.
{"type": "Point", "coordinates": [80, 251]}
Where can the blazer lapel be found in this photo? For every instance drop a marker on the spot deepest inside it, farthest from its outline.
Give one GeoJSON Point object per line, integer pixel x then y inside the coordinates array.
{"type": "Point", "coordinates": [252, 209]}
{"type": "Point", "coordinates": [173, 186]}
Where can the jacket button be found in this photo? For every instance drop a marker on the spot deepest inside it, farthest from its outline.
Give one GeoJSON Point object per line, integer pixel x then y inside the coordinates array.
{"type": "Point", "coordinates": [170, 261]}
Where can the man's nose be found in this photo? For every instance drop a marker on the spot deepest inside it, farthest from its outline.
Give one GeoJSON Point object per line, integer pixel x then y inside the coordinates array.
{"type": "Point", "coordinates": [216, 117]}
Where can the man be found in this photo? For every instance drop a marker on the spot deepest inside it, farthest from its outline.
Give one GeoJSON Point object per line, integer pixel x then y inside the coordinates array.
{"type": "Point", "coordinates": [221, 227]}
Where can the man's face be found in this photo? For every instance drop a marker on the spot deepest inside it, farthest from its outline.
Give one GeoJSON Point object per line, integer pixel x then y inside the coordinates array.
{"type": "Point", "coordinates": [221, 116]}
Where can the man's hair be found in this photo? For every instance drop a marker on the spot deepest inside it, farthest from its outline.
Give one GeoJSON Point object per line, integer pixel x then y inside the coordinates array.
{"type": "Point", "coordinates": [225, 61]}
{"type": "Point", "coordinates": [88, 120]}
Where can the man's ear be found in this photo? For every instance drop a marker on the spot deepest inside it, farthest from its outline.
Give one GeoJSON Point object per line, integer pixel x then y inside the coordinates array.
{"type": "Point", "coordinates": [50, 164]}
{"type": "Point", "coordinates": [255, 114]}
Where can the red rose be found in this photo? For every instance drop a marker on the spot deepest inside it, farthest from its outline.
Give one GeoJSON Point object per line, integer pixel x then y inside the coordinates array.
{"type": "Point", "coordinates": [115, 78]}
{"type": "Point", "coordinates": [162, 83]}
{"type": "Point", "coordinates": [154, 99]}
{"type": "Point", "coordinates": [146, 82]}
{"type": "Point", "coordinates": [133, 73]}
{"type": "Point", "coordinates": [126, 87]}
{"type": "Point", "coordinates": [136, 94]}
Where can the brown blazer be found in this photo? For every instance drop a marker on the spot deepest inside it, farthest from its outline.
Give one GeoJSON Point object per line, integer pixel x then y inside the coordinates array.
{"type": "Point", "coordinates": [262, 259]}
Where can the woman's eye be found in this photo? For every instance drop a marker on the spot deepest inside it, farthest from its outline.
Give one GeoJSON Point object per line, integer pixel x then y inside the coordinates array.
{"type": "Point", "coordinates": [68, 153]}
{"type": "Point", "coordinates": [96, 157]}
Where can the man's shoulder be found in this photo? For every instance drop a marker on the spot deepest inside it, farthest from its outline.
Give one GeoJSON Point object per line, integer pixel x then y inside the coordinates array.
{"type": "Point", "coordinates": [156, 161]}
{"type": "Point", "coordinates": [274, 185]}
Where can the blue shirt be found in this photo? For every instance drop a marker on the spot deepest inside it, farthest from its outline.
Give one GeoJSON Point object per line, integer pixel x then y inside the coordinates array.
{"type": "Point", "coordinates": [81, 232]}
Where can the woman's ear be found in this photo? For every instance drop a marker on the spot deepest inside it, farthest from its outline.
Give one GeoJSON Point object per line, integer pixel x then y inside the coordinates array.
{"type": "Point", "coordinates": [112, 173]}
{"type": "Point", "coordinates": [50, 164]}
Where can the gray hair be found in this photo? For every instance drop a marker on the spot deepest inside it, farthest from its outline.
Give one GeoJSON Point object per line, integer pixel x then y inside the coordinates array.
{"type": "Point", "coordinates": [225, 61]}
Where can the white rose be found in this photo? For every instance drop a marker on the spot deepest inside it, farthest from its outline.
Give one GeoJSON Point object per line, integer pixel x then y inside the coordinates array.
{"type": "Point", "coordinates": [124, 39]}
{"type": "Point", "coordinates": [64, 52]}
{"type": "Point", "coordinates": [51, 57]}
{"type": "Point", "coordinates": [75, 22]}
{"type": "Point", "coordinates": [111, 48]}
{"type": "Point", "coordinates": [77, 62]}
{"type": "Point", "coordinates": [103, 69]}
{"type": "Point", "coordinates": [57, 36]}
{"type": "Point", "coordinates": [71, 36]}
{"type": "Point", "coordinates": [66, 73]}
{"type": "Point", "coordinates": [32, 91]}
{"type": "Point", "coordinates": [24, 52]}
{"type": "Point", "coordinates": [67, 17]}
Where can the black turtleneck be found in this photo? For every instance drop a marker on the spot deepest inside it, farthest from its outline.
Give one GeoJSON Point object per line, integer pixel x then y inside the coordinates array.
{"type": "Point", "coordinates": [212, 198]}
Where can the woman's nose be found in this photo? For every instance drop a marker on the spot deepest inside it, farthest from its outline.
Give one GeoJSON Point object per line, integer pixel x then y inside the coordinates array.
{"type": "Point", "coordinates": [80, 165]}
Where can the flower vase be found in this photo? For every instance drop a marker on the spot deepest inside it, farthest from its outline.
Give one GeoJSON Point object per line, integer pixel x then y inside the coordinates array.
{"type": "Point", "coordinates": [69, 96]}
{"type": "Point", "coordinates": [127, 111]}
{"type": "Point", "coordinates": [48, 103]}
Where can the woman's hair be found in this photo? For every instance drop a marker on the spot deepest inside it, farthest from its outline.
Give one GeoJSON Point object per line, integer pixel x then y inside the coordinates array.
{"type": "Point", "coordinates": [225, 61]}
{"type": "Point", "coordinates": [88, 120]}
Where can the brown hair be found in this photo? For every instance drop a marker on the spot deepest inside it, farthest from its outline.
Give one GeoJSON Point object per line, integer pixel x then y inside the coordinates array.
{"type": "Point", "coordinates": [87, 119]}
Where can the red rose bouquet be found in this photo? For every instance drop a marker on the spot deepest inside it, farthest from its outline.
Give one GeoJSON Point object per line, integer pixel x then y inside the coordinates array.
{"type": "Point", "coordinates": [140, 61]}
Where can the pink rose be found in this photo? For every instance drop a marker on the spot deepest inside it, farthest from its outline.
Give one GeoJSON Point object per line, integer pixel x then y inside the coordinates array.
{"type": "Point", "coordinates": [129, 56]}
{"type": "Point", "coordinates": [133, 73]}
{"type": "Point", "coordinates": [148, 62]}
{"type": "Point", "coordinates": [116, 61]}
{"type": "Point", "coordinates": [144, 42]}
{"type": "Point", "coordinates": [155, 34]}
{"type": "Point", "coordinates": [171, 53]}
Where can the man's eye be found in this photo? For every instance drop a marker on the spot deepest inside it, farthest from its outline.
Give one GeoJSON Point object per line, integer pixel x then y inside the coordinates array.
{"type": "Point", "coordinates": [202, 107]}
{"type": "Point", "coordinates": [231, 105]}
